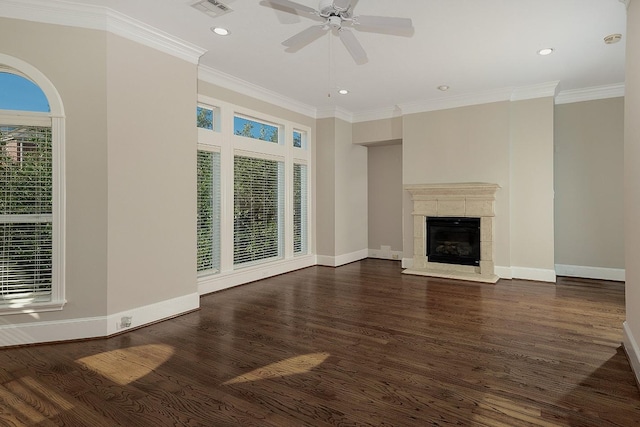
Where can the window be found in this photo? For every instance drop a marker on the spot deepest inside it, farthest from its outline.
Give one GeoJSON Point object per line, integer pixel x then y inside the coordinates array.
{"type": "Point", "coordinates": [204, 117]}
{"type": "Point", "coordinates": [31, 163]}
{"type": "Point", "coordinates": [208, 212]}
{"type": "Point", "coordinates": [252, 128]}
{"type": "Point", "coordinates": [258, 209]}
{"type": "Point", "coordinates": [299, 209]}
{"type": "Point", "coordinates": [297, 139]}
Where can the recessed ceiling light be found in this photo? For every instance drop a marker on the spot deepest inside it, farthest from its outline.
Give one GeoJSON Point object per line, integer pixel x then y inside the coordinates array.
{"type": "Point", "coordinates": [343, 91]}
{"type": "Point", "coordinates": [545, 51]}
{"type": "Point", "coordinates": [220, 31]}
{"type": "Point", "coordinates": [613, 38]}
{"type": "Point", "coordinates": [443, 88]}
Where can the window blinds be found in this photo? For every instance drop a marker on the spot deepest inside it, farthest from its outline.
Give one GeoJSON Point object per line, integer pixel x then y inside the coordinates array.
{"type": "Point", "coordinates": [258, 209]}
{"type": "Point", "coordinates": [299, 209]}
{"type": "Point", "coordinates": [25, 213]}
{"type": "Point", "coordinates": [208, 212]}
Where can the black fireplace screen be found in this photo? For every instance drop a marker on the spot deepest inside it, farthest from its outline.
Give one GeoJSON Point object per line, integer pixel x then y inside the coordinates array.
{"type": "Point", "coordinates": [453, 240]}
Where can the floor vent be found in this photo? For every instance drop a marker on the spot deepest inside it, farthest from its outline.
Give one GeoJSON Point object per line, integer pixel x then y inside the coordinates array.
{"type": "Point", "coordinates": [212, 7]}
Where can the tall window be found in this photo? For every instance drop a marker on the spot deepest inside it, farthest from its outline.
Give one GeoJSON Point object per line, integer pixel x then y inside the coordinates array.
{"type": "Point", "coordinates": [30, 215]}
{"type": "Point", "coordinates": [258, 209]}
{"type": "Point", "coordinates": [300, 209]}
{"type": "Point", "coordinates": [208, 212]}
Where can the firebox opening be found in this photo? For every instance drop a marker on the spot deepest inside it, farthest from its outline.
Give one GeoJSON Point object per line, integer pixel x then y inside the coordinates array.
{"type": "Point", "coordinates": [453, 240]}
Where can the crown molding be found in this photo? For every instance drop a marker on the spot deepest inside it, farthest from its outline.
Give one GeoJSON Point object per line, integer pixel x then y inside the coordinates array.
{"type": "Point", "coordinates": [100, 18]}
{"type": "Point", "coordinates": [541, 90]}
{"type": "Point", "coordinates": [456, 101]}
{"type": "Point", "coordinates": [590, 93]}
{"type": "Point", "coordinates": [626, 3]}
{"type": "Point", "coordinates": [227, 81]}
{"type": "Point", "coordinates": [334, 112]}
{"type": "Point", "coordinates": [379, 114]}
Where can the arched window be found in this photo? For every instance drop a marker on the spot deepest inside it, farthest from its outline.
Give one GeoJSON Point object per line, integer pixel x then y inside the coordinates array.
{"type": "Point", "coordinates": [32, 190]}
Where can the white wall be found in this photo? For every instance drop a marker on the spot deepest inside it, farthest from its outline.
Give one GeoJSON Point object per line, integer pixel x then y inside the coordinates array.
{"type": "Point", "coordinates": [631, 186]}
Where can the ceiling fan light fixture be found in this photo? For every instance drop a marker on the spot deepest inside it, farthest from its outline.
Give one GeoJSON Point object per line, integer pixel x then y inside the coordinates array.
{"type": "Point", "coordinates": [545, 51]}
{"type": "Point", "coordinates": [220, 31]}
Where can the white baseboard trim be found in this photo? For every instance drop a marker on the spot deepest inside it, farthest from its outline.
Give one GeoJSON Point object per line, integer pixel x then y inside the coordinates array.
{"type": "Point", "coordinates": [407, 262]}
{"type": "Point", "coordinates": [94, 327]}
{"type": "Point", "coordinates": [224, 280]}
{"type": "Point", "coordinates": [537, 274]}
{"type": "Point", "coordinates": [378, 254]}
{"type": "Point", "coordinates": [617, 274]}
{"type": "Point", "coordinates": [147, 314]}
{"type": "Point", "coordinates": [339, 260]}
{"type": "Point", "coordinates": [632, 349]}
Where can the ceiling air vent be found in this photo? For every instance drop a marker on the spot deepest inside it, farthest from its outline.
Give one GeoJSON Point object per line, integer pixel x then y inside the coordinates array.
{"type": "Point", "coordinates": [212, 7]}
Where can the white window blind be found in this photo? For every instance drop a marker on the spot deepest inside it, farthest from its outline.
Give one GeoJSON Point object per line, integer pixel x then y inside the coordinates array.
{"type": "Point", "coordinates": [300, 217]}
{"type": "Point", "coordinates": [258, 209]}
{"type": "Point", "coordinates": [25, 213]}
{"type": "Point", "coordinates": [208, 212]}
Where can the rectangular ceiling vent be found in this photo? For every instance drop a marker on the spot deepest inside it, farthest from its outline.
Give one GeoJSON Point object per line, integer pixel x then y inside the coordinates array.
{"type": "Point", "coordinates": [212, 7]}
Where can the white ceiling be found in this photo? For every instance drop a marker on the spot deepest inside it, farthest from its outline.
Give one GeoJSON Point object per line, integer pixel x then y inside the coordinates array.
{"type": "Point", "coordinates": [473, 46]}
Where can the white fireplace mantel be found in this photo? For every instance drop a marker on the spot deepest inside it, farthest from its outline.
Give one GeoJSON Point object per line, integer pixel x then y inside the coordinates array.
{"type": "Point", "coordinates": [471, 199]}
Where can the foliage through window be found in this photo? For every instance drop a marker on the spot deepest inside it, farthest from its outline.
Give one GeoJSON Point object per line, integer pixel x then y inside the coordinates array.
{"type": "Point", "coordinates": [258, 209]}
{"type": "Point", "coordinates": [204, 118]}
{"type": "Point", "coordinates": [297, 139]}
{"type": "Point", "coordinates": [253, 129]}
{"type": "Point", "coordinates": [299, 208]}
{"type": "Point", "coordinates": [25, 213]}
{"type": "Point", "coordinates": [208, 211]}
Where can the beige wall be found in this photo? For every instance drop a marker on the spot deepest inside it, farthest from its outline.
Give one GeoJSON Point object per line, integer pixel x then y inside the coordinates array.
{"type": "Point", "coordinates": [589, 177]}
{"type": "Point", "coordinates": [385, 196]}
{"type": "Point", "coordinates": [468, 144]}
{"type": "Point", "coordinates": [377, 131]}
{"type": "Point", "coordinates": [506, 143]}
{"type": "Point", "coordinates": [151, 174]}
{"type": "Point", "coordinates": [531, 167]}
{"type": "Point", "coordinates": [341, 190]}
{"type": "Point", "coordinates": [74, 60]}
{"type": "Point", "coordinates": [632, 183]}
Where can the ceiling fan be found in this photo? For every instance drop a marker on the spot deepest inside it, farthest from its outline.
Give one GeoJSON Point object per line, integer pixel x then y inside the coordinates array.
{"type": "Point", "coordinates": [336, 14]}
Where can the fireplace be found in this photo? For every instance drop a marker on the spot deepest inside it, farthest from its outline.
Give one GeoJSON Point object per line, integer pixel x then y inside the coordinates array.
{"type": "Point", "coordinates": [453, 240]}
{"type": "Point", "coordinates": [462, 254]}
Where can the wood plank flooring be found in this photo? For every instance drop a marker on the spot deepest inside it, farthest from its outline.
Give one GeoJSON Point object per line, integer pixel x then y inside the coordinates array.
{"type": "Point", "coordinates": [357, 345]}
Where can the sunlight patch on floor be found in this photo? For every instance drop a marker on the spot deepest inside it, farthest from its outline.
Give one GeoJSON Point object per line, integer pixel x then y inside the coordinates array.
{"type": "Point", "coordinates": [292, 366]}
{"type": "Point", "coordinates": [126, 365]}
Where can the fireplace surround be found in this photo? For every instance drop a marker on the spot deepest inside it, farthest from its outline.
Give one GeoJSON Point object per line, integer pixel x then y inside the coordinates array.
{"type": "Point", "coordinates": [459, 200]}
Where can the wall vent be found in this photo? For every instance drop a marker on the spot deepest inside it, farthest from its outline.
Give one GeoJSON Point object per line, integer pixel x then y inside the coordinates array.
{"type": "Point", "coordinates": [212, 8]}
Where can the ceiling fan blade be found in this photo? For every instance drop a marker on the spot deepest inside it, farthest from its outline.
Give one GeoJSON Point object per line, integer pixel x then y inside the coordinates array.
{"type": "Point", "coordinates": [384, 22]}
{"type": "Point", "coordinates": [353, 46]}
{"type": "Point", "coordinates": [305, 37]}
{"type": "Point", "coordinates": [341, 5]}
{"type": "Point", "coordinates": [292, 5]}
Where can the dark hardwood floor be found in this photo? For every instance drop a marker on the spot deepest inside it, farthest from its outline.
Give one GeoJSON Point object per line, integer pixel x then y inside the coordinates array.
{"type": "Point", "coordinates": [356, 345]}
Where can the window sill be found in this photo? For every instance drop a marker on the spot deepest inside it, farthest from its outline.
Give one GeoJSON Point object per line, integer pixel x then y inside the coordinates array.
{"type": "Point", "coordinates": [34, 307]}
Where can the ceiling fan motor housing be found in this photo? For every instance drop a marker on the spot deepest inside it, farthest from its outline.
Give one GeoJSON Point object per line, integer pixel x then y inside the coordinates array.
{"type": "Point", "coordinates": [327, 9]}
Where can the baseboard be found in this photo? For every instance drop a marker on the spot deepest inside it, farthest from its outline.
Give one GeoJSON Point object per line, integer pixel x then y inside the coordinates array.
{"type": "Point", "coordinates": [407, 262]}
{"type": "Point", "coordinates": [94, 327]}
{"type": "Point", "coordinates": [537, 274]}
{"type": "Point", "coordinates": [339, 260]}
{"type": "Point", "coordinates": [617, 274]}
{"type": "Point", "coordinates": [151, 313]}
{"type": "Point", "coordinates": [223, 280]}
{"type": "Point", "coordinates": [379, 254]}
{"type": "Point", "coordinates": [632, 350]}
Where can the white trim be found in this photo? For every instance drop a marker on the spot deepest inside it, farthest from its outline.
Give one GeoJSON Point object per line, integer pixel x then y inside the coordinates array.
{"type": "Point", "coordinates": [503, 272]}
{"type": "Point", "coordinates": [218, 282]}
{"type": "Point", "coordinates": [381, 254]}
{"type": "Point", "coordinates": [407, 262]}
{"type": "Point", "coordinates": [151, 313]}
{"type": "Point", "coordinates": [632, 349]}
{"type": "Point", "coordinates": [92, 327]}
{"type": "Point", "coordinates": [590, 93]}
{"type": "Point", "coordinates": [334, 112]}
{"type": "Point", "coordinates": [535, 91]}
{"type": "Point", "coordinates": [379, 114]}
{"type": "Point", "coordinates": [213, 76]}
{"type": "Point", "coordinates": [537, 274]}
{"type": "Point", "coordinates": [337, 261]}
{"type": "Point", "coordinates": [617, 274]}
{"type": "Point", "coordinates": [100, 18]}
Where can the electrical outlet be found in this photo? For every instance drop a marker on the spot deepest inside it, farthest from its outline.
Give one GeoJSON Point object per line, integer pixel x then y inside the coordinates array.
{"type": "Point", "coordinates": [125, 322]}
{"type": "Point", "coordinates": [394, 256]}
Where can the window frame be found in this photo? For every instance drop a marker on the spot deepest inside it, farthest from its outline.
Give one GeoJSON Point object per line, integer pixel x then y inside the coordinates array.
{"type": "Point", "coordinates": [56, 121]}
